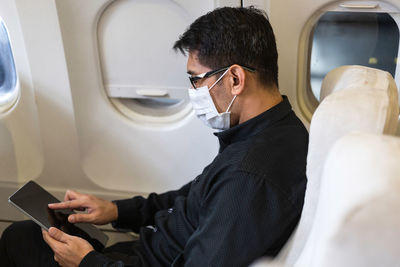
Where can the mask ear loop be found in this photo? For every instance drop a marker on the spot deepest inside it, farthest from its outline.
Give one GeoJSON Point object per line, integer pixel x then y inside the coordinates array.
{"type": "Point", "coordinates": [229, 107]}
{"type": "Point", "coordinates": [218, 79]}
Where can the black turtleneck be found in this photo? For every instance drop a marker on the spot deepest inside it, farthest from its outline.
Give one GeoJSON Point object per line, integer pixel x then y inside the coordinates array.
{"type": "Point", "coordinates": [244, 205]}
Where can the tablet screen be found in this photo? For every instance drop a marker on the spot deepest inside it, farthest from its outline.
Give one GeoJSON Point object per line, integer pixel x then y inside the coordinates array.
{"type": "Point", "coordinates": [33, 200]}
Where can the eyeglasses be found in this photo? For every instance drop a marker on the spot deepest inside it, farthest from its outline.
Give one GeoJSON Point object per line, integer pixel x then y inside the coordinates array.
{"type": "Point", "coordinates": [195, 78]}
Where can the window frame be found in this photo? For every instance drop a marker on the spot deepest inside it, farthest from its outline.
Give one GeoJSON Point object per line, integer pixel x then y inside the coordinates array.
{"type": "Point", "coordinates": [305, 97]}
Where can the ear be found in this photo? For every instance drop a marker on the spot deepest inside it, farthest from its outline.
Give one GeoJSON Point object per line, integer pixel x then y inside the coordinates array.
{"type": "Point", "coordinates": [238, 79]}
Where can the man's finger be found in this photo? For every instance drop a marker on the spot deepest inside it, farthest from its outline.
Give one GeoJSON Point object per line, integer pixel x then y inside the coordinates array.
{"type": "Point", "coordinates": [53, 244]}
{"type": "Point", "coordinates": [70, 204]}
{"type": "Point", "coordinates": [45, 236]}
{"type": "Point", "coordinates": [58, 235]}
{"type": "Point", "coordinates": [55, 257]}
{"type": "Point", "coordinates": [82, 217]}
{"type": "Point", "coordinates": [71, 195]}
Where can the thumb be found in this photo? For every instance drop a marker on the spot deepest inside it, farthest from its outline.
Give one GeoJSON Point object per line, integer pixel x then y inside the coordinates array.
{"type": "Point", "coordinates": [58, 235]}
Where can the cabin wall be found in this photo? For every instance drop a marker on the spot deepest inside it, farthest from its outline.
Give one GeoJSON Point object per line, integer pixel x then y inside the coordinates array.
{"type": "Point", "coordinates": [66, 133]}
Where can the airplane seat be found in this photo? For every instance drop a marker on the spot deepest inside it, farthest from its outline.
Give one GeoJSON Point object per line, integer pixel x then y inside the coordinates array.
{"type": "Point", "coordinates": [398, 128]}
{"type": "Point", "coordinates": [357, 219]}
{"type": "Point", "coordinates": [352, 75]}
{"type": "Point", "coordinates": [353, 98]}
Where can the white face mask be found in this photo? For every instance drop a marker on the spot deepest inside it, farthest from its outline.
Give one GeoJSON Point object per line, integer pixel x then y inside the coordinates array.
{"type": "Point", "coordinates": [205, 109]}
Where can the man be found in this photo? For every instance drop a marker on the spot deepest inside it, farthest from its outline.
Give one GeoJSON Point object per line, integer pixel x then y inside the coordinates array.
{"type": "Point", "coordinates": [244, 205]}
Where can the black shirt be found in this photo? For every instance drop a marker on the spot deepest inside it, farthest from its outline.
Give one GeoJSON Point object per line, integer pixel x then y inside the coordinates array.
{"type": "Point", "coordinates": [244, 205]}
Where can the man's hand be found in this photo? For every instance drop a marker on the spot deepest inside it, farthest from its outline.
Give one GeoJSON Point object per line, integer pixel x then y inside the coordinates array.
{"type": "Point", "coordinates": [68, 250]}
{"type": "Point", "coordinates": [99, 211]}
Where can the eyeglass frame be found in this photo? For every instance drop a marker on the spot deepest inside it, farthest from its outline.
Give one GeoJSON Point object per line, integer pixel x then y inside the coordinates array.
{"type": "Point", "coordinates": [195, 78]}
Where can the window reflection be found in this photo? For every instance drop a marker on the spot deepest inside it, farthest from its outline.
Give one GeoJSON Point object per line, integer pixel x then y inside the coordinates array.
{"type": "Point", "coordinates": [353, 38]}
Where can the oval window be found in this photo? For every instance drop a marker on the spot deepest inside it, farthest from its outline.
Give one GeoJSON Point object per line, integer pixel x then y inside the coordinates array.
{"type": "Point", "coordinates": [8, 75]}
{"type": "Point", "coordinates": [353, 38]}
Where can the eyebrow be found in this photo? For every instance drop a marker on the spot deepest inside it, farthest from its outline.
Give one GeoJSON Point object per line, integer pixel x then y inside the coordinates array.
{"type": "Point", "coordinates": [190, 72]}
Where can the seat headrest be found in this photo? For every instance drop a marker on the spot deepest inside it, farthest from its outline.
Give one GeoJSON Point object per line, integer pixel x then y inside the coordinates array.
{"type": "Point", "coordinates": [354, 76]}
{"type": "Point", "coordinates": [357, 222]}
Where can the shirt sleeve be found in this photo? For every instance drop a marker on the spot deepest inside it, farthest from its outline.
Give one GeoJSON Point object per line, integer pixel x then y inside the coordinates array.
{"type": "Point", "coordinates": [138, 211]}
{"type": "Point", "coordinates": [95, 259]}
{"type": "Point", "coordinates": [241, 218]}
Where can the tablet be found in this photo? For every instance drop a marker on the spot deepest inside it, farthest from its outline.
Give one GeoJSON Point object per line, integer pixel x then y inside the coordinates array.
{"type": "Point", "coordinates": [33, 200]}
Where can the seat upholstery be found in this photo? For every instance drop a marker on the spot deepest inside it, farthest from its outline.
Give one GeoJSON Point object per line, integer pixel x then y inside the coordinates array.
{"type": "Point", "coordinates": [357, 76]}
{"type": "Point", "coordinates": [354, 98]}
{"type": "Point", "coordinates": [357, 222]}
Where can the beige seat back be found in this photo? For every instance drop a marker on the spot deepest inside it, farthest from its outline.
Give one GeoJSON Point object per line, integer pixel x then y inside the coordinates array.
{"type": "Point", "coordinates": [357, 222]}
{"type": "Point", "coordinates": [354, 98]}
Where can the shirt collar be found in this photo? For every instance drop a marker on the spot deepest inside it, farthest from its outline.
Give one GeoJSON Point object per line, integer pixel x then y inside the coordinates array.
{"type": "Point", "coordinates": [254, 125]}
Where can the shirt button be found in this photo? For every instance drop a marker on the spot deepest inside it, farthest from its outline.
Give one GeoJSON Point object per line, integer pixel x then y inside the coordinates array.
{"type": "Point", "coordinates": [170, 210]}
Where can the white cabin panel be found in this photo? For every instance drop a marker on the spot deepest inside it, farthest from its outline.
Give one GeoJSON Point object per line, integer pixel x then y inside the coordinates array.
{"type": "Point", "coordinates": [146, 138]}
{"type": "Point", "coordinates": [20, 145]}
{"type": "Point", "coordinates": [8, 163]}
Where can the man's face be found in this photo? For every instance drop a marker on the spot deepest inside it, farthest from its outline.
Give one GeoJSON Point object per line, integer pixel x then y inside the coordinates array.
{"type": "Point", "coordinates": [220, 93]}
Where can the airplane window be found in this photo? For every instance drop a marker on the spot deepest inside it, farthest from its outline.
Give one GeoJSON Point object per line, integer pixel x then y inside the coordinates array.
{"type": "Point", "coordinates": [8, 76]}
{"type": "Point", "coordinates": [353, 38]}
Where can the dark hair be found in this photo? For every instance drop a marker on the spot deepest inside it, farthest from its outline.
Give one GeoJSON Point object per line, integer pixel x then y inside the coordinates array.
{"type": "Point", "coordinates": [227, 36]}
